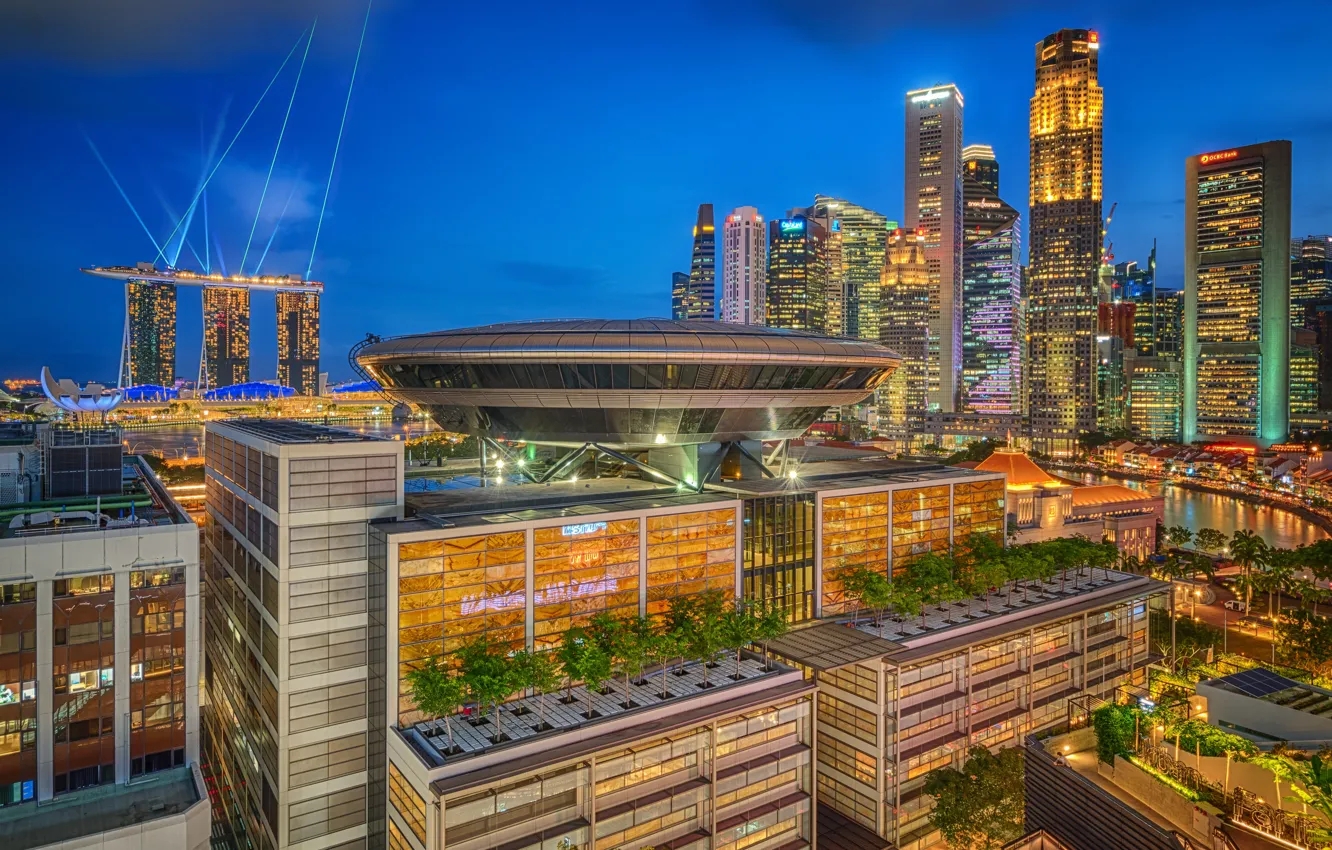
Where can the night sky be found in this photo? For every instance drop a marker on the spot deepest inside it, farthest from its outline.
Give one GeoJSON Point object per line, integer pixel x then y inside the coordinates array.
{"type": "Point", "coordinates": [535, 159]}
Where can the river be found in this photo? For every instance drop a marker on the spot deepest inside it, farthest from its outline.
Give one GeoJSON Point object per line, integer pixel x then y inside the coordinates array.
{"type": "Point", "coordinates": [1195, 510]}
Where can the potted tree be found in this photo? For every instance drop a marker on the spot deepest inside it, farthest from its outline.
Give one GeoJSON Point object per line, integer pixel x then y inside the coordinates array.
{"type": "Point", "coordinates": [570, 646]}
{"type": "Point", "coordinates": [771, 625]}
{"type": "Point", "coordinates": [739, 628]}
{"type": "Point", "coordinates": [585, 659]}
{"type": "Point", "coordinates": [665, 646]}
{"type": "Point", "coordinates": [681, 623]}
{"type": "Point", "coordinates": [706, 639]}
{"type": "Point", "coordinates": [489, 679]}
{"type": "Point", "coordinates": [439, 693]}
{"type": "Point", "coordinates": [540, 671]}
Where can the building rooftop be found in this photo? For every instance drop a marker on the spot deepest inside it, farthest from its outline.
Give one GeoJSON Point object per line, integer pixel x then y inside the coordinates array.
{"type": "Point", "coordinates": [1263, 684]}
{"type": "Point", "coordinates": [959, 624]}
{"type": "Point", "coordinates": [99, 809]}
{"type": "Point", "coordinates": [1022, 472]}
{"type": "Point", "coordinates": [290, 431]}
{"type": "Point", "coordinates": [848, 474]}
{"type": "Point", "coordinates": [143, 502]}
{"type": "Point", "coordinates": [1107, 494]}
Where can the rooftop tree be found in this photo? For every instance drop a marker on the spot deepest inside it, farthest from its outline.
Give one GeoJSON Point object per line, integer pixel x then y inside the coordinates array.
{"type": "Point", "coordinates": [437, 692]}
{"type": "Point", "coordinates": [706, 638]}
{"type": "Point", "coordinates": [489, 678]}
{"type": "Point", "coordinates": [540, 671]}
{"type": "Point", "coordinates": [772, 624]}
{"type": "Point", "coordinates": [585, 660]}
{"type": "Point", "coordinates": [739, 628]}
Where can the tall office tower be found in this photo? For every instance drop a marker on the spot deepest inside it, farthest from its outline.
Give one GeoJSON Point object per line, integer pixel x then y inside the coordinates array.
{"type": "Point", "coordinates": [226, 315]}
{"type": "Point", "coordinates": [700, 297]}
{"type": "Point", "coordinates": [1304, 357]}
{"type": "Point", "coordinates": [979, 164]}
{"type": "Point", "coordinates": [1137, 285]}
{"type": "Point", "coordinates": [1310, 276]}
{"type": "Point", "coordinates": [1153, 386]}
{"type": "Point", "coordinates": [1111, 389]}
{"type": "Point", "coordinates": [991, 301]}
{"type": "Point", "coordinates": [289, 735]}
{"type": "Point", "coordinates": [744, 268]}
{"type": "Point", "coordinates": [905, 328]}
{"type": "Point", "coordinates": [797, 274]}
{"type": "Point", "coordinates": [1237, 294]}
{"type": "Point", "coordinates": [933, 204]}
{"type": "Point", "coordinates": [99, 648]}
{"type": "Point", "coordinates": [863, 237]}
{"type": "Point", "coordinates": [1065, 245]}
{"type": "Point", "coordinates": [679, 286]}
{"type": "Point", "coordinates": [150, 336]}
{"type": "Point", "coordinates": [298, 341]}
{"type": "Point", "coordinates": [1169, 323]}
{"type": "Point", "coordinates": [1118, 318]}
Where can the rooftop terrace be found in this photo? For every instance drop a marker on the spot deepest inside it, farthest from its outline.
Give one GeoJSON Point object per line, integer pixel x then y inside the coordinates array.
{"type": "Point", "coordinates": [143, 502]}
{"type": "Point", "coordinates": [292, 432]}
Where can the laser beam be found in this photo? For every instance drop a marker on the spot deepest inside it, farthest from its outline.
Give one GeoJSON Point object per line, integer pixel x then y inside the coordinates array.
{"type": "Point", "coordinates": [338, 145]}
{"type": "Point", "coordinates": [194, 207]}
{"type": "Point", "coordinates": [273, 162]}
{"type": "Point", "coordinates": [243, 125]}
{"type": "Point", "coordinates": [116, 183]}
{"type": "Point", "coordinates": [273, 235]}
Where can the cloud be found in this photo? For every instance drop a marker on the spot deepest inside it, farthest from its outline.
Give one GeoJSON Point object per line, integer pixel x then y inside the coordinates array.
{"type": "Point", "coordinates": [243, 185]}
{"type": "Point", "coordinates": [849, 23]}
{"type": "Point", "coordinates": [133, 34]}
{"type": "Point", "coordinates": [551, 277]}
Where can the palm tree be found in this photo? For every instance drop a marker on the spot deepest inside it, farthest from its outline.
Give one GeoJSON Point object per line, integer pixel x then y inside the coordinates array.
{"type": "Point", "coordinates": [1249, 551]}
{"type": "Point", "coordinates": [1278, 575]}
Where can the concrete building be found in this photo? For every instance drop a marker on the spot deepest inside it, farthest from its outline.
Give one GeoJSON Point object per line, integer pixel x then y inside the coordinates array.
{"type": "Point", "coordinates": [100, 652]}
{"type": "Point", "coordinates": [933, 206]}
{"type": "Point", "coordinates": [744, 268]}
{"type": "Point", "coordinates": [1065, 242]}
{"type": "Point", "coordinates": [1237, 295]}
{"type": "Point", "coordinates": [287, 732]}
{"type": "Point", "coordinates": [298, 341]}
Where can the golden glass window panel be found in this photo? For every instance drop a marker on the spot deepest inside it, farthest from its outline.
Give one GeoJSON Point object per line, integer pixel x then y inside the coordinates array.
{"type": "Point", "coordinates": [920, 524]}
{"type": "Point", "coordinates": [582, 570]}
{"type": "Point", "coordinates": [978, 508]}
{"type": "Point", "coordinates": [855, 534]}
{"type": "Point", "coordinates": [688, 554]}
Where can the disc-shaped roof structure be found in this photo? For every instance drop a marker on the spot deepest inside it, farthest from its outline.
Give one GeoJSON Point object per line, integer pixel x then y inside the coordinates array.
{"type": "Point", "coordinates": [627, 383]}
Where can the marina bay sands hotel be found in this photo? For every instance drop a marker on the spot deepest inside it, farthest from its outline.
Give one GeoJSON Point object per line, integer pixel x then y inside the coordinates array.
{"type": "Point", "coordinates": [148, 355]}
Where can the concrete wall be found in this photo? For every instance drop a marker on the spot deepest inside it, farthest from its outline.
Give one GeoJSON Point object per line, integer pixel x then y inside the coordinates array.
{"type": "Point", "coordinates": [1160, 798]}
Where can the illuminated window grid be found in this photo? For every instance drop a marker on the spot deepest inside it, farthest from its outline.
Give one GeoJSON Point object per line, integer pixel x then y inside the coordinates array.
{"type": "Point", "coordinates": [1228, 394]}
{"type": "Point", "coordinates": [855, 534]}
{"type": "Point", "coordinates": [851, 719]}
{"type": "Point", "coordinates": [848, 801]}
{"type": "Point", "coordinates": [157, 669]}
{"type": "Point", "coordinates": [689, 554]}
{"type": "Point", "coordinates": [578, 575]}
{"type": "Point", "coordinates": [978, 508]}
{"type": "Point", "coordinates": [452, 591]}
{"type": "Point", "coordinates": [920, 523]}
{"type": "Point", "coordinates": [1229, 303]}
{"type": "Point", "coordinates": [666, 820]}
{"type": "Point", "coordinates": [759, 727]}
{"type": "Point", "coordinates": [648, 762]}
{"type": "Point", "coordinates": [758, 787]}
{"type": "Point", "coordinates": [854, 679]}
{"type": "Point", "coordinates": [406, 802]}
{"type": "Point", "coordinates": [396, 840]}
{"type": "Point", "coordinates": [18, 684]}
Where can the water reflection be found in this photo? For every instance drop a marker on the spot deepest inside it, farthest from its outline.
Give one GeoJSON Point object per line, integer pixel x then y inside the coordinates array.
{"type": "Point", "coordinates": [1196, 510]}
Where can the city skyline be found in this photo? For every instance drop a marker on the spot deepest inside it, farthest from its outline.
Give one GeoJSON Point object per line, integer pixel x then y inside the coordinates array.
{"type": "Point", "coordinates": [609, 160]}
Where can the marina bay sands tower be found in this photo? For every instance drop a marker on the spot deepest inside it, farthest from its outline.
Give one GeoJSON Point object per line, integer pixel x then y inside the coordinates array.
{"type": "Point", "coordinates": [148, 355]}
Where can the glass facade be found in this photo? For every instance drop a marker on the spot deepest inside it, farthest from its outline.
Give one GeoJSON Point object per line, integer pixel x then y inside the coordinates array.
{"type": "Point", "coordinates": [855, 535]}
{"type": "Point", "coordinates": [226, 312]}
{"type": "Point", "coordinates": [151, 312]}
{"type": "Point", "coordinates": [157, 670]}
{"type": "Point", "coordinates": [779, 554]}
{"type": "Point", "coordinates": [1154, 398]}
{"type": "Point", "coordinates": [83, 673]}
{"type": "Point", "coordinates": [583, 569]}
{"type": "Point", "coordinates": [978, 508]}
{"type": "Point", "coordinates": [700, 296]}
{"type": "Point", "coordinates": [629, 376]}
{"type": "Point", "coordinates": [797, 275]}
{"type": "Point", "coordinates": [904, 314]}
{"type": "Point", "coordinates": [689, 554]}
{"type": "Point", "coordinates": [862, 237]}
{"type": "Point", "coordinates": [991, 301]}
{"type": "Point", "coordinates": [920, 523]}
{"type": "Point", "coordinates": [18, 692]}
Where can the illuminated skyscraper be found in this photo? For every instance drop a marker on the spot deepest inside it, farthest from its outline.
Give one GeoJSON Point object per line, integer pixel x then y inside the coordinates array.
{"type": "Point", "coordinates": [991, 302]}
{"type": "Point", "coordinates": [679, 286]}
{"type": "Point", "coordinates": [905, 321]}
{"type": "Point", "coordinates": [744, 267]}
{"type": "Point", "coordinates": [226, 313]}
{"type": "Point", "coordinates": [1237, 294]}
{"type": "Point", "coordinates": [298, 341]}
{"type": "Point", "coordinates": [1065, 245]}
{"type": "Point", "coordinates": [979, 164]}
{"type": "Point", "coordinates": [700, 297]}
{"type": "Point", "coordinates": [1310, 276]}
{"type": "Point", "coordinates": [1153, 385]}
{"type": "Point", "coordinates": [150, 311]}
{"type": "Point", "coordinates": [797, 274]}
{"type": "Point", "coordinates": [863, 236]}
{"type": "Point", "coordinates": [933, 205]}
{"type": "Point", "coordinates": [1304, 357]}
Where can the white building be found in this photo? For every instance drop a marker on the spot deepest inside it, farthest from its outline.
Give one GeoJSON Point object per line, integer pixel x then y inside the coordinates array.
{"type": "Point", "coordinates": [933, 204]}
{"type": "Point", "coordinates": [744, 268]}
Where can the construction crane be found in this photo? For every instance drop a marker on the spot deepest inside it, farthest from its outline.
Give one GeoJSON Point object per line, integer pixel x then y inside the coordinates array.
{"type": "Point", "coordinates": [1107, 255]}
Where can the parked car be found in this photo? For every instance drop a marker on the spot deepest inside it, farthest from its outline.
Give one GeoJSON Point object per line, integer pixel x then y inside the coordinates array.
{"type": "Point", "coordinates": [1235, 605]}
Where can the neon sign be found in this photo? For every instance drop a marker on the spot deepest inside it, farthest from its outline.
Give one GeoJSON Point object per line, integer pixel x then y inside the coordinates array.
{"type": "Point", "coordinates": [793, 225]}
{"type": "Point", "coordinates": [1219, 156]}
{"type": "Point", "coordinates": [583, 528]}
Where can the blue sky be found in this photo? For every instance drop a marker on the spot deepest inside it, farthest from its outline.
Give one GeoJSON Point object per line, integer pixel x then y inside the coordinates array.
{"type": "Point", "coordinates": [523, 160]}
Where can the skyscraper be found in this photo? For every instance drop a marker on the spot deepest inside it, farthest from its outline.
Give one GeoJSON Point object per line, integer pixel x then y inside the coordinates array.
{"type": "Point", "coordinates": [991, 301]}
{"type": "Point", "coordinates": [863, 234]}
{"type": "Point", "coordinates": [226, 314]}
{"type": "Point", "coordinates": [933, 205]}
{"type": "Point", "coordinates": [1310, 276]}
{"type": "Point", "coordinates": [679, 286]}
{"type": "Point", "coordinates": [905, 325]}
{"type": "Point", "coordinates": [1065, 244]}
{"type": "Point", "coordinates": [1137, 285]}
{"type": "Point", "coordinates": [744, 267]}
{"type": "Point", "coordinates": [1237, 294]}
{"type": "Point", "coordinates": [150, 311]}
{"type": "Point", "coordinates": [700, 297]}
{"type": "Point", "coordinates": [298, 341]}
{"type": "Point", "coordinates": [1153, 386]}
{"type": "Point", "coordinates": [979, 164]}
{"type": "Point", "coordinates": [797, 274]}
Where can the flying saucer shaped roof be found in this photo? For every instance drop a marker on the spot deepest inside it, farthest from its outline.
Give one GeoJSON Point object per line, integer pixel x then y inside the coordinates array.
{"type": "Point", "coordinates": [68, 396]}
{"type": "Point", "coordinates": [627, 382]}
